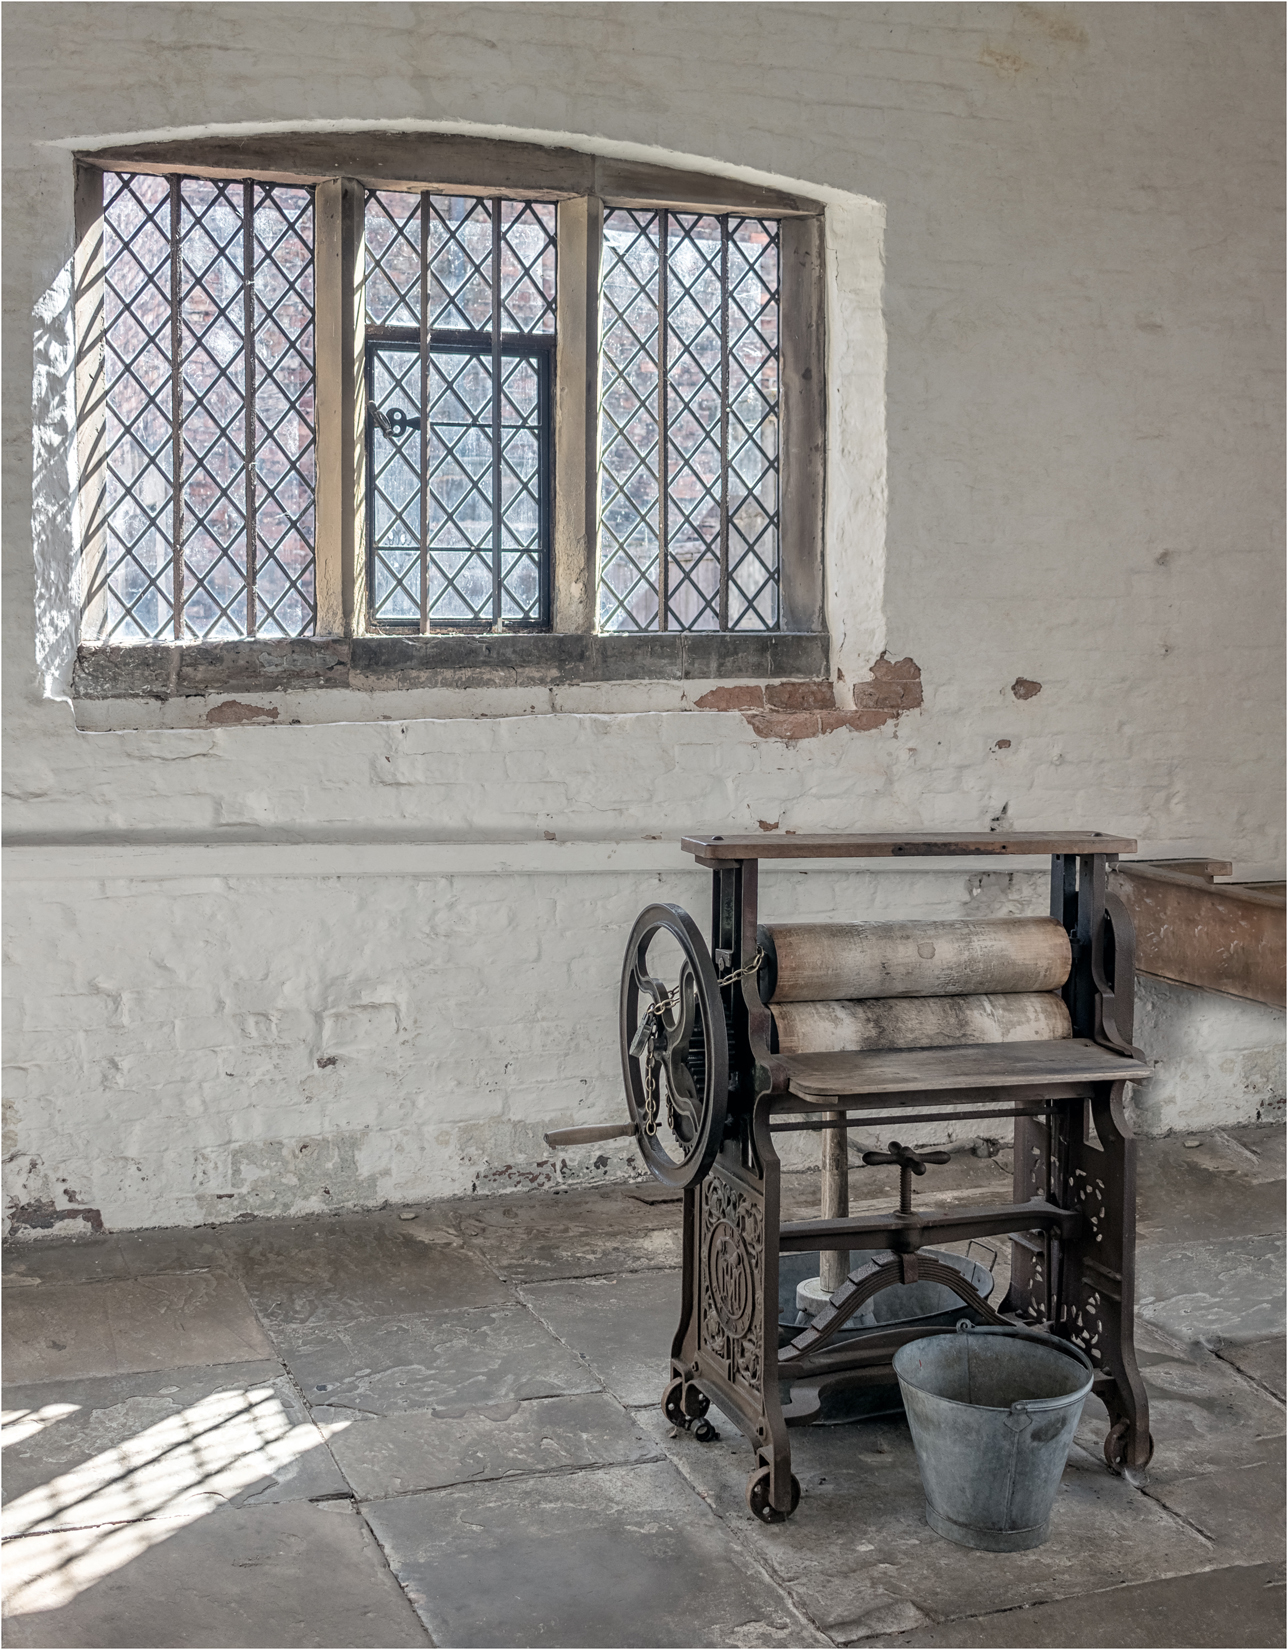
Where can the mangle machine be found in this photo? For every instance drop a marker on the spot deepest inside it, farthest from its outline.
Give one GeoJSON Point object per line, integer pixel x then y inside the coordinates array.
{"type": "Point", "coordinates": [816, 1026]}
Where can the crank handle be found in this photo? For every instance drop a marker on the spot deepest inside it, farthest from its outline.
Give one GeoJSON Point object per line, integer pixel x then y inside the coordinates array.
{"type": "Point", "coordinates": [590, 1135]}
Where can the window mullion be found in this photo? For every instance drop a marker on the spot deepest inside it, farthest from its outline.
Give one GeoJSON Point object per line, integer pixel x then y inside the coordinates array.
{"type": "Point", "coordinates": [424, 411]}
{"type": "Point", "coordinates": [176, 408]}
{"type": "Point", "coordinates": [248, 347]}
{"type": "Point", "coordinates": [663, 526]}
{"type": "Point", "coordinates": [496, 414]}
{"type": "Point", "coordinates": [724, 425]}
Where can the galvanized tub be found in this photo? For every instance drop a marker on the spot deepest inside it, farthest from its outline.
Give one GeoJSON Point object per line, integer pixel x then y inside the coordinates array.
{"type": "Point", "coordinates": [993, 1412]}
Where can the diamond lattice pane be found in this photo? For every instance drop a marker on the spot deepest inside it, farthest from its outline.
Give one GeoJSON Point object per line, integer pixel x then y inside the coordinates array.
{"type": "Point", "coordinates": [753, 425]}
{"type": "Point", "coordinates": [460, 488]}
{"type": "Point", "coordinates": [628, 470]}
{"type": "Point", "coordinates": [722, 311]}
{"type": "Point", "coordinates": [520, 489]}
{"type": "Point", "coordinates": [234, 459]}
{"type": "Point", "coordinates": [486, 446]}
{"type": "Point", "coordinates": [527, 266]}
{"type": "Point", "coordinates": [285, 412]}
{"type": "Point", "coordinates": [394, 480]}
{"type": "Point", "coordinates": [694, 397]}
{"type": "Point", "coordinates": [135, 582]}
{"type": "Point", "coordinates": [460, 263]}
{"type": "Point", "coordinates": [393, 259]}
{"type": "Point", "coordinates": [213, 388]}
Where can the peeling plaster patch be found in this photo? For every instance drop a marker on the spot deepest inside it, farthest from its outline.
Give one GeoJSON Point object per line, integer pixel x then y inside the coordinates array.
{"type": "Point", "coordinates": [804, 710]}
{"type": "Point", "coordinates": [768, 825]}
{"type": "Point", "coordinates": [1022, 688]}
{"type": "Point", "coordinates": [1002, 745]}
{"type": "Point", "coordinates": [300, 1176]}
{"type": "Point", "coordinates": [732, 698]}
{"type": "Point", "coordinates": [232, 713]}
{"type": "Point", "coordinates": [42, 1216]}
{"type": "Point", "coordinates": [506, 1178]}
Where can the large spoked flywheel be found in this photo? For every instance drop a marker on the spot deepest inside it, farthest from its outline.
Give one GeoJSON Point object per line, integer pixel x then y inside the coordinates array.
{"type": "Point", "coordinates": [675, 1045]}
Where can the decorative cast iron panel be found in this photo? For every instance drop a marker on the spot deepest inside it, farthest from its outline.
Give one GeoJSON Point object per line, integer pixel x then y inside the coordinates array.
{"type": "Point", "coordinates": [210, 419]}
{"type": "Point", "coordinates": [460, 397]}
{"type": "Point", "coordinates": [731, 1257]}
{"type": "Point", "coordinates": [689, 345]}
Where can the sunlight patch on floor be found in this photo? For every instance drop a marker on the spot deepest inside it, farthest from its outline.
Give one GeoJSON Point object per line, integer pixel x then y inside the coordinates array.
{"type": "Point", "coordinates": [90, 1521]}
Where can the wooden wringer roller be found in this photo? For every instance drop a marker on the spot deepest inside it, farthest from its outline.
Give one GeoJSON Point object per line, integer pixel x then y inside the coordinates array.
{"type": "Point", "coordinates": [808, 1026]}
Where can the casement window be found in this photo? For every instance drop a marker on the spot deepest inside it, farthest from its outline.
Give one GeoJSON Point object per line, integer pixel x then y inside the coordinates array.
{"type": "Point", "coordinates": [419, 388]}
{"type": "Point", "coordinates": [689, 365]}
{"type": "Point", "coordinates": [460, 331]}
{"type": "Point", "coordinates": [204, 517]}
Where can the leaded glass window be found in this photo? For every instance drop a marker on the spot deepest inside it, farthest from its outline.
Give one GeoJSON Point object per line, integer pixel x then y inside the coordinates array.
{"type": "Point", "coordinates": [208, 455]}
{"type": "Point", "coordinates": [460, 305]}
{"type": "Point", "coordinates": [689, 410]}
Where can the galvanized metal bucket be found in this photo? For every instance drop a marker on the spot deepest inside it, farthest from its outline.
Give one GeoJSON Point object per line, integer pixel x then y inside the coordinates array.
{"type": "Point", "coordinates": [993, 1412]}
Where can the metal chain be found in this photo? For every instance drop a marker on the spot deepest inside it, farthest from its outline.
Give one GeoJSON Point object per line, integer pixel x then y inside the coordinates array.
{"type": "Point", "coordinates": [747, 969]}
{"type": "Point", "coordinates": [652, 1099]}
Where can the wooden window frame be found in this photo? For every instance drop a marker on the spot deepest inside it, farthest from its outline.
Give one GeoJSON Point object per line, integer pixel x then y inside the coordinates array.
{"type": "Point", "coordinates": [343, 652]}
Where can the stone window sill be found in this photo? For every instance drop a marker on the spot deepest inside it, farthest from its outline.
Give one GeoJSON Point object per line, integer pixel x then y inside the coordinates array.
{"type": "Point", "coordinates": [375, 663]}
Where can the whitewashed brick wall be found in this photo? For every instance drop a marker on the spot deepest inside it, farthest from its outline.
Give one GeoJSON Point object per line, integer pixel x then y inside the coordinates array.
{"type": "Point", "coordinates": [1056, 448]}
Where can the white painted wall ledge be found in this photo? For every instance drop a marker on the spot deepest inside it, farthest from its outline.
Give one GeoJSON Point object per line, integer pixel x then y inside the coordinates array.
{"type": "Point", "coordinates": [89, 861]}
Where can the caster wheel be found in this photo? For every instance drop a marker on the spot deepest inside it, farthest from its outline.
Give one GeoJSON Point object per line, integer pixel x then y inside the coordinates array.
{"type": "Point", "coordinates": [671, 1404]}
{"type": "Point", "coordinates": [1116, 1449]}
{"type": "Point", "coordinates": [705, 1433]}
{"type": "Point", "coordinates": [758, 1498]}
{"type": "Point", "coordinates": [683, 1403]}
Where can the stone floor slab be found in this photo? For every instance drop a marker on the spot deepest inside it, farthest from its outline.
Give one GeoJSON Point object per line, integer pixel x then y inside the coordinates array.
{"type": "Point", "coordinates": [1225, 1193]}
{"type": "Point", "coordinates": [574, 1234]}
{"type": "Point", "coordinates": [1202, 1414]}
{"type": "Point", "coordinates": [399, 1454]}
{"type": "Point", "coordinates": [116, 1255]}
{"type": "Point", "coordinates": [622, 1326]}
{"type": "Point", "coordinates": [1216, 1608]}
{"type": "Point", "coordinates": [859, 1539]}
{"type": "Point", "coordinates": [1214, 1293]}
{"type": "Point", "coordinates": [148, 1445]}
{"type": "Point", "coordinates": [620, 1556]}
{"type": "Point", "coordinates": [169, 1321]}
{"type": "Point", "coordinates": [358, 1268]}
{"type": "Point", "coordinates": [453, 1359]}
{"type": "Point", "coordinates": [283, 1576]}
{"type": "Point", "coordinates": [1261, 1361]}
{"type": "Point", "coordinates": [1241, 1510]}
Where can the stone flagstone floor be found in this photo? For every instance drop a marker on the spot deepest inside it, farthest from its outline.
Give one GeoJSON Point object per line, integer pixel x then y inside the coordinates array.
{"type": "Point", "coordinates": [379, 1430]}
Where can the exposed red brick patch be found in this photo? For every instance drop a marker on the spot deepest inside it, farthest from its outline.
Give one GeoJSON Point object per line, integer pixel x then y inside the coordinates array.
{"type": "Point", "coordinates": [1022, 688]}
{"type": "Point", "coordinates": [790, 725]}
{"type": "Point", "coordinates": [1002, 745]}
{"type": "Point", "coordinates": [858, 721]}
{"type": "Point", "coordinates": [804, 710]}
{"type": "Point", "coordinates": [234, 714]}
{"type": "Point", "coordinates": [799, 696]}
{"type": "Point", "coordinates": [895, 685]}
{"type": "Point", "coordinates": [732, 698]}
{"type": "Point", "coordinates": [765, 825]}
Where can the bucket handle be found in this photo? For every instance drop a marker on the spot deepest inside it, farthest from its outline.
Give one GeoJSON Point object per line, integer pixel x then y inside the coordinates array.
{"type": "Point", "coordinates": [1031, 1406]}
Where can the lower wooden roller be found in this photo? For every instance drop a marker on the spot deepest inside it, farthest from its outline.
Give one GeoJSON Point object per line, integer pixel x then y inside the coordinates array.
{"type": "Point", "coordinates": [811, 962]}
{"type": "Point", "coordinates": [920, 1022]}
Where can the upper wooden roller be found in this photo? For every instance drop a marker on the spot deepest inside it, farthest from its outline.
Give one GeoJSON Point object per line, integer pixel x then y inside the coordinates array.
{"type": "Point", "coordinates": [831, 962]}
